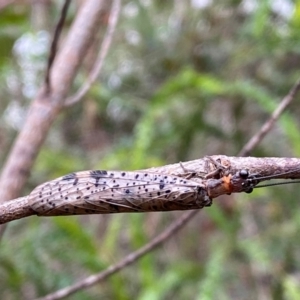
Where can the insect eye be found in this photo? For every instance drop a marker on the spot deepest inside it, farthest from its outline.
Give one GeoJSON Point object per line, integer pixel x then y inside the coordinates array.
{"type": "Point", "coordinates": [249, 190]}
{"type": "Point", "coordinates": [244, 174]}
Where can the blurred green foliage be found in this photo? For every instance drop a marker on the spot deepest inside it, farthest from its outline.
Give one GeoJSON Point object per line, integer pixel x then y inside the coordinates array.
{"type": "Point", "coordinates": [182, 80]}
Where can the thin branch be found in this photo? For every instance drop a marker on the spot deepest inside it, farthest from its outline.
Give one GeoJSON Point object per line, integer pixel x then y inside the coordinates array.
{"type": "Point", "coordinates": [53, 48]}
{"type": "Point", "coordinates": [171, 187]}
{"type": "Point", "coordinates": [46, 106]}
{"type": "Point", "coordinates": [113, 20]}
{"type": "Point", "coordinates": [128, 260]}
{"type": "Point", "coordinates": [256, 139]}
{"type": "Point", "coordinates": [16, 209]}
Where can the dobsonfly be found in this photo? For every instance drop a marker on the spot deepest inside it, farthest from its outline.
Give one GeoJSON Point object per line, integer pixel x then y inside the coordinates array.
{"type": "Point", "coordinates": [100, 192]}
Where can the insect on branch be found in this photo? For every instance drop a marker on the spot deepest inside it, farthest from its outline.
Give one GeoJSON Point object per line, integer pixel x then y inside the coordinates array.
{"type": "Point", "coordinates": [182, 186]}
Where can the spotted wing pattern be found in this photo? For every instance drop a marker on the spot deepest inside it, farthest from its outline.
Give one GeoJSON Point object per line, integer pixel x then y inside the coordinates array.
{"type": "Point", "coordinates": [100, 192]}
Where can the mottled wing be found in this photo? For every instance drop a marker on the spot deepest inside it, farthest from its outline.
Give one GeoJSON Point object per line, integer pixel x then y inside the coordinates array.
{"type": "Point", "coordinates": [99, 192]}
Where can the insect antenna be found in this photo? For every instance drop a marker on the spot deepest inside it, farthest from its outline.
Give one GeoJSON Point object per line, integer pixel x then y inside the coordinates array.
{"type": "Point", "coordinates": [276, 183]}
{"type": "Point", "coordinates": [251, 181]}
{"type": "Point", "coordinates": [276, 175]}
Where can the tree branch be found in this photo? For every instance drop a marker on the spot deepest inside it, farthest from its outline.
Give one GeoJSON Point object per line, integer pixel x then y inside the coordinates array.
{"type": "Point", "coordinates": [53, 48]}
{"type": "Point", "coordinates": [45, 107]}
{"type": "Point", "coordinates": [113, 20]}
{"type": "Point", "coordinates": [256, 139]}
{"type": "Point", "coordinates": [182, 186]}
{"type": "Point", "coordinates": [47, 104]}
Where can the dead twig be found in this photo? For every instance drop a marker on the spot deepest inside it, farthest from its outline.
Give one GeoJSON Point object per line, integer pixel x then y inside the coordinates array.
{"type": "Point", "coordinates": [46, 106]}
{"type": "Point", "coordinates": [113, 20]}
{"type": "Point", "coordinates": [53, 48]}
{"type": "Point", "coordinates": [257, 138]}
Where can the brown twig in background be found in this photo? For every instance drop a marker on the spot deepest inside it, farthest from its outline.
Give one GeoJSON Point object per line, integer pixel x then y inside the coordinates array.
{"type": "Point", "coordinates": [256, 139]}
{"type": "Point", "coordinates": [53, 48]}
{"type": "Point", "coordinates": [45, 107]}
{"type": "Point", "coordinates": [128, 260]}
{"type": "Point", "coordinates": [113, 20]}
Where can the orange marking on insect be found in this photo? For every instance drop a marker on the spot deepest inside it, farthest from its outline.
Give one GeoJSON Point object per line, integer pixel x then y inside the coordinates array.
{"type": "Point", "coordinates": [218, 187]}
{"type": "Point", "coordinates": [227, 184]}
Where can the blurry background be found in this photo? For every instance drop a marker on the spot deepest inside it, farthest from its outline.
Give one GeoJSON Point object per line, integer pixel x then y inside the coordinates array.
{"type": "Point", "coordinates": [183, 79]}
